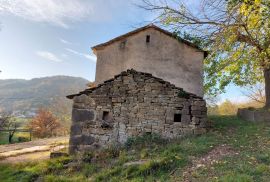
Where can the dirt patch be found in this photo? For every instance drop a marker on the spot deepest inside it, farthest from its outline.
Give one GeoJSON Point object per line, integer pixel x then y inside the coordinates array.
{"type": "Point", "coordinates": [31, 151]}
{"type": "Point", "coordinates": [40, 142]}
{"type": "Point", "coordinates": [30, 157]}
{"type": "Point", "coordinates": [29, 154]}
{"type": "Point", "coordinates": [140, 162]}
{"type": "Point", "coordinates": [207, 160]}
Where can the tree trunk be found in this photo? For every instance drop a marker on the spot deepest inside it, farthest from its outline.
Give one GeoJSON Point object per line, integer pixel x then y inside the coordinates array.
{"type": "Point", "coordinates": [267, 87]}
{"type": "Point", "coordinates": [10, 136]}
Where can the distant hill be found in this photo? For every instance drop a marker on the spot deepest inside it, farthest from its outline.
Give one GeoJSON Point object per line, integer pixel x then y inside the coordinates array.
{"type": "Point", "coordinates": [26, 96]}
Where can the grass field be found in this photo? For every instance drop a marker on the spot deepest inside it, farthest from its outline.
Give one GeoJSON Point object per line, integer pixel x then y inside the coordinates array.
{"type": "Point", "coordinates": [234, 151]}
{"type": "Point", "coordinates": [15, 139]}
{"type": "Point", "coordinates": [22, 123]}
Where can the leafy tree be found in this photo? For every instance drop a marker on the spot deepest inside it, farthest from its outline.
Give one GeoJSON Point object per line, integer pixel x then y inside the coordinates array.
{"type": "Point", "coordinates": [44, 124]}
{"type": "Point", "coordinates": [236, 33]}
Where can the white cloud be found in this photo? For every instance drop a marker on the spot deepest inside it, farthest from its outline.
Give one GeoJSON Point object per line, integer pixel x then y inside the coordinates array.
{"type": "Point", "coordinates": [64, 12]}
{"type": "Point", "coordinates": [49, 56]}
{"type": "Point", "coordinates": [57, 12]}
{"type": "Point", "coordinates": [87, 56]}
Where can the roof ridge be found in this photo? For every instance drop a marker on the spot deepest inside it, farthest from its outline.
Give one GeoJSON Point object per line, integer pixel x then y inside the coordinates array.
{"type": "Point", "coordinates": [151, 25]}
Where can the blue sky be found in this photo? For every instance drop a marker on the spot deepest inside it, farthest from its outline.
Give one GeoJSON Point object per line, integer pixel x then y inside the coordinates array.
{"type": "Point", "coordinates": [53, 37]}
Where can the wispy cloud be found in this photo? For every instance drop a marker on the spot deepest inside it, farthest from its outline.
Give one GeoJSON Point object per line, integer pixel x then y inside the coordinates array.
{"type": "Point", "coordinates": [64, 12]}
{"type": "Point", "coordinates": [66, 42]}
{"type": "Point", "coordinates": [87, 56]}
{"type": "Point", "coordinates": [57, 12]}
{"type": "Point", "coordinates": [48, 56]}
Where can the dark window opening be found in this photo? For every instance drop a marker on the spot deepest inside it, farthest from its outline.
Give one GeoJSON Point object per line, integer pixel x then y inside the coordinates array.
{"type": "Point", "coordinates": [148, 133]}
{"type": "Point", "coordinates": [177, 118]}
{"type": "Point", "coordinates": [123, 44]}
{"type": "Point", "coordinates": [105, 116]}
{"type": "Point", "coordinates": [179, 108]}
{"type": "Point", "coordinates": [147, 38]}
{"type": "Point", "coordinates": [190, 112]}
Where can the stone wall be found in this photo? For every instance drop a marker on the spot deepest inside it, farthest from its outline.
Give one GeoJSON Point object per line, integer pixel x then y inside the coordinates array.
{"type": "Point", "coordinates": [254, 115]}
{"type": "Point", "coordinates": [131, 104]}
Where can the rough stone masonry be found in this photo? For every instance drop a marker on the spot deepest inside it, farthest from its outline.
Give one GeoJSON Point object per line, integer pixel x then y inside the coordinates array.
{"type": "Point", "coordinates": [131, 104]}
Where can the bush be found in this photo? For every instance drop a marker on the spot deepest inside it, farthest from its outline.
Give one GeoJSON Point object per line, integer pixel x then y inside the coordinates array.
{"type": "Point", "coordinates": [87, 157]}
{"type": "Point", "coordinates": [113, 150]}
{"type": "Point", "coordinates": [23, 139]}
{"type": "Point", "coordinates": [145, 140]}
{"type": "Point", "coordinates": [264, 158]}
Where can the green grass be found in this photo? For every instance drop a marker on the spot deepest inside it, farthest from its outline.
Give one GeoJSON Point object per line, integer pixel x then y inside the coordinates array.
{"type": "Point", "coordinates": [22, 123]}
{"type": "Point", "coordinates": [3, 138]}
{"type": "Point", "coordinates": [164, 160]}
{"type": "Point", "coordinates": [23, 135]}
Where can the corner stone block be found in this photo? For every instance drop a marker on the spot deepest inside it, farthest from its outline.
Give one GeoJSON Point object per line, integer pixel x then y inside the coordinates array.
{"type": "Point", "coordinates": [87, 140]}
{"type": "Point", "coordinates": [81, 140]}
{"type": "Point", "coordinates": [80, 99]}
{"type": "Point", "coordinates": [73, 149]}
{"type": "Point", "coordinates": [200, 103]}
{"type": "Point", "coordinates": [82, 115]}
{"type": "Point", "coordinates": [195, 120]}
{"type": "Point", "coordinates": [185, 119]}
{"type": "Point", "coordinates": [76, 129]}
{"type": "Point", "coordinates": [196, 108]}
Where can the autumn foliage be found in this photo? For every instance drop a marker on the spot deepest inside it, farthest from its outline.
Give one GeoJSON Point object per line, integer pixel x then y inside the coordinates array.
{"type": "Point", "coordinates": [44, 124]}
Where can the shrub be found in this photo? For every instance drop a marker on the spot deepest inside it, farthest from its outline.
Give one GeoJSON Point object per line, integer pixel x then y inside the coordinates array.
{"type": "Point", "coordinates": [113, 150]}
{"type": "Point", "coordinates": [87, 157]}
{"type": "Point", "coordinates": [264, 158]}
{"type": "Point", "coordinates": [89, 169]}
{"type": "Point", "coordinates": [144, 140]}
{"type": "Point", "coordinates": [23, 139]}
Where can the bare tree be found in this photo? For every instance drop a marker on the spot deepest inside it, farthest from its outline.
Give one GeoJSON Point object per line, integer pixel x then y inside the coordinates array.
{"type": "Point", "coordinates": [236, 33]}
{"type": "Point", "coordinates": [4, 119]}
{"type": "Point", "coordinates": [255, 93]}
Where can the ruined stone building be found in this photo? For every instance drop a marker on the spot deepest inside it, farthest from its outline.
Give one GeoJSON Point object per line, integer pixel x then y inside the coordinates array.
{"type": "Point", "coordinates": [131, 102]}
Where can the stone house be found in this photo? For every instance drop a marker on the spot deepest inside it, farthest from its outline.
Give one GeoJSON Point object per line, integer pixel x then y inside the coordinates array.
{"type": "Point", "coordinates": [153, 50]}
{"type": "Point", "coordinates": [133, 103]}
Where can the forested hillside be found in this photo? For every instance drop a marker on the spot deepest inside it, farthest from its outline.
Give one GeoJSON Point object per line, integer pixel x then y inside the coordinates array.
{"type": "Point", "coordinates": [25, 96]}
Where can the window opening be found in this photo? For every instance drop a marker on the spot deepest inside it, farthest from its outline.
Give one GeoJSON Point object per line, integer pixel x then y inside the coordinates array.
{"type": "Point", "coordinates": [147, 38]}
{"type": "Point", "coordinates": [177, 118]}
